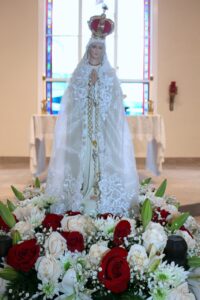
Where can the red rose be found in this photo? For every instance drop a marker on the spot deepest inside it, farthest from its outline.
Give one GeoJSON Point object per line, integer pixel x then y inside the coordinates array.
{"type": "Point", "coordinates": [122, 230]}
{"type": "Point", "coordinates": [52, 220]}
{"type": "Point", "coordinates": [160, 216]}
{"type": "Point", "coordinates": [115, 274]}
{"type": "Point", "coordinates": [72, 213]}
{"type": "Point", "coordinates": [3, 225]}
{"type": "Point", "coordinates": [75, 241]}
{"type": "Point", "coordinates": [23, 256]}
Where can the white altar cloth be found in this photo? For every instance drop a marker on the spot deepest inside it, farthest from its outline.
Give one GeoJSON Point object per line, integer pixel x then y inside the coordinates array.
{"type": "Point", "coordinates": [149, 129]}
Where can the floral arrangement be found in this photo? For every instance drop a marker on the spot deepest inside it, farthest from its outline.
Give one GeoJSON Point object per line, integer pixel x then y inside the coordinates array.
{"type": "Point", "coordinates": [155, 254]}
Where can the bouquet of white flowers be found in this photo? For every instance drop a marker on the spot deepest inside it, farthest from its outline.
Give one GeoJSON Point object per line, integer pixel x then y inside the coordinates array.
{"type": "Point", "coordinates": [153, 254]}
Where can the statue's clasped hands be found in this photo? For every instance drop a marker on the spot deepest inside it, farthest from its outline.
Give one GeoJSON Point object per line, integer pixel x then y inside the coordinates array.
{"type": "Point", "coordinates": [93, 76]}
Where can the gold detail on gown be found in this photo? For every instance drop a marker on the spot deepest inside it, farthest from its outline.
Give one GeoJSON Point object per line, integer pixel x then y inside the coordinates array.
{"type": "Point", "coordinates": [93, 129]}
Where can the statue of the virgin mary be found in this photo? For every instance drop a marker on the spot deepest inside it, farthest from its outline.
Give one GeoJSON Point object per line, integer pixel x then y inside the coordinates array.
{"type": "Point", "coordinates": [92, 167]}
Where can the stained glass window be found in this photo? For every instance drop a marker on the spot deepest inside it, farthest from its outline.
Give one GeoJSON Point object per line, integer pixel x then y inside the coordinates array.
{"type": "Point", "coordinates": [128, 47]}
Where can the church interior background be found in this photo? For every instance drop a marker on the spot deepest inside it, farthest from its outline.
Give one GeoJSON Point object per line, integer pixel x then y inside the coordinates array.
{"type": "Point", "coordinates": [175, 56]}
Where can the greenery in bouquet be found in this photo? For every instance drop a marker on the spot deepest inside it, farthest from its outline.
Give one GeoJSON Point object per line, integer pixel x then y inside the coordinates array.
{"type": "Point", "coordinates": [153, 254]}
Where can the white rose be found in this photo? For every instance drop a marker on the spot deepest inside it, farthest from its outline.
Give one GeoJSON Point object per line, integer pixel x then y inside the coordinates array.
{"type": "Point", "coordinates": [68, 282]}
{"type": "Point", "coordinates": [25, 229]}
{"type": "Point", "coordinates": [189, 240]}
{"type": "Point", "coordinates": [55, 244]}
{"type": "Point", "coordinates": [48, 269]}
{"type": "Point", "coordinates": [96, 252]}
{"type": "Point", "coordinates": [80, 223]}
{"type": "Point", "coordinates": [137, 257]}
{"type": "Point", "coordinates": [3, 284]}
{"type": "Point", "coordinates": [181, 293]}
{"type": "Point", "coordinates": [154, 235]}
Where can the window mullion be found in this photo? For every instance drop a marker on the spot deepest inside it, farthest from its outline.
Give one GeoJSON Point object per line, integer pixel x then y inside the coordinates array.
{"type": "Point", "coordinates": [116, 35]}
{"type": "Point", "coordinates": [80, 30]}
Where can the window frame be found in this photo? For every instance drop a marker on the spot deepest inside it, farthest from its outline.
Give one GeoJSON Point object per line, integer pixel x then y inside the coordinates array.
{"type": "Point", "coordinates": [48, 80]}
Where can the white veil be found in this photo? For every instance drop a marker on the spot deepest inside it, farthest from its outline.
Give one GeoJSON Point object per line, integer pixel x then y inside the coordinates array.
{"type": "Point", "coordinates": [119, 180]}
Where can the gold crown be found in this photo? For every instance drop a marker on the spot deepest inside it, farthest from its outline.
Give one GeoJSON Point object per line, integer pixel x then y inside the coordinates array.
{"type": "Point", "coordinates": [100, 25]}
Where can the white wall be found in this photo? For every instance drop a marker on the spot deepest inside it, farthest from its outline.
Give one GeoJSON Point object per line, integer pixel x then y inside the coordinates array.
{"type": "Point", "coordinates": [178, 47]}
{"type": "Point", "coordinates": [179, 60]}
{"type": "Point", "coordinates": [18, 74]}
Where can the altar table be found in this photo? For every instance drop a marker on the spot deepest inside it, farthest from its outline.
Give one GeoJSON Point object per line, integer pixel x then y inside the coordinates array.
{"type": "Point", "coordinates": [148, 128]}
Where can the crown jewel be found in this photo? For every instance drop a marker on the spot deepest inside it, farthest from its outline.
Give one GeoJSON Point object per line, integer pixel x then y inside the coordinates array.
{"type": "Point", "coordinates": [100, 25]}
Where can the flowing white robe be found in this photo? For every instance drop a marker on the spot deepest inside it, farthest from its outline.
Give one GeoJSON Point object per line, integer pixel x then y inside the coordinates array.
{"type": "Point", "coordinates": [71, 175]}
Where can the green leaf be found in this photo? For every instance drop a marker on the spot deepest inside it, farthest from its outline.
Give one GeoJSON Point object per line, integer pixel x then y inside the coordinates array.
{"type": "Point", "coordinates": [37, 182]}
{"type": "Point", "coordinates": [146, 212]}
{"type": "Point", "coordinates": [9, 274]}
{"type": "Point", "coordinates": [71, 297]}
{"type": "Point", "coordinates": [154, 265]}
{"type": "Point", "coordinates": [17, 193]}
{"type": "Point", "coordinates": [16, 237]}
{"type": "Point", "coordinates": [6, 215]}
{"type": "Point", "coordinates": [146, 181]}
{"type": "Point", "coordinates": [10, 205]}
{"type": "Point", "coordinates": [179, 221]}
{"type": "Point", "coordinates": [161, 190]}
{"type": "Point", "coordinates": [194, 261]}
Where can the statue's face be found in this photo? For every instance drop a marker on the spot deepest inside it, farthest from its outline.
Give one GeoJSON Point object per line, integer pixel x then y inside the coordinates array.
{"type": "Point", "coordinates": [96, 51]}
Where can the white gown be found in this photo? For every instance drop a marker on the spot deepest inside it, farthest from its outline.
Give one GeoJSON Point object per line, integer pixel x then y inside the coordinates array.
{"type": "Point", "coordinates": [92, 167]}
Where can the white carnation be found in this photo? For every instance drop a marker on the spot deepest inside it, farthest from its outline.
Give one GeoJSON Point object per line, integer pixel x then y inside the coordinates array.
{"type": "Point", "coordinates": [154, 235]}
{"type": "Point", "coordinates": [96, 252]}
{"type": "Point", "coordinates": [22, 213]}
{"type": "Point", "coordinates": [137, 257]}
{"type": "Point", "coordinates": [156, 201]}
{"type": "Point", "coordinates": [191, 224]}
{"type": "Point", "coordinates": [36, 217]}
{"type": "Point", "coordinates": [30, 213]}
{"type": "Point", "coordinates": [106, 226]}
{"type": "Point", "coordinates": [172, 209]}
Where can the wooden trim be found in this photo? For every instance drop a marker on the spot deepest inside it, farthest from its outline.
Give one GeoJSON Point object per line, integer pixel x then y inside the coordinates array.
{"type": "Point", "coordinates": [181, 160]}
{"type": "Point", "coordinates": [194, 209]}
{"type": "Point", "coordinates": [173, 161]}
{"type": "Point", "coordinates": [139, 160]}
{"type": "Point", "coordinates": [14, 160]}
